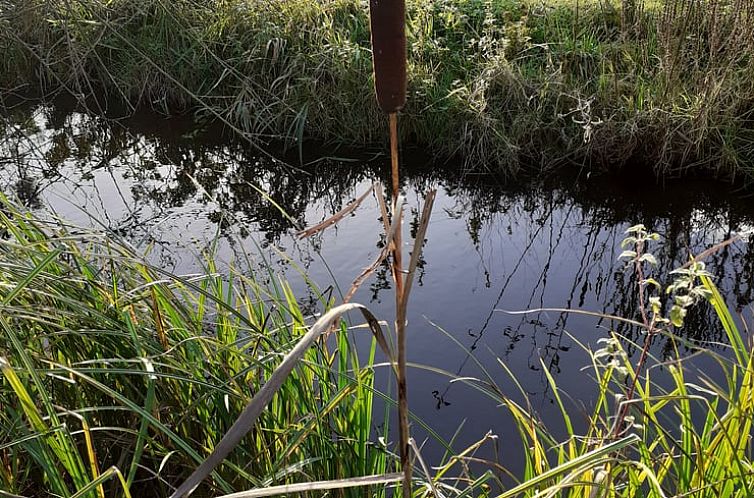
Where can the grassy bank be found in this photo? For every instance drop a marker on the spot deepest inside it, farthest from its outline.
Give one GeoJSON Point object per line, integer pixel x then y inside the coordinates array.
{"type": "Point", "coordinates": [510, 85]}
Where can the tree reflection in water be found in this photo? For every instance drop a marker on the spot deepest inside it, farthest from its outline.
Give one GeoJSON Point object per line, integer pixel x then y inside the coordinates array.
{"type": "Point", "coordinates": [492, 246]}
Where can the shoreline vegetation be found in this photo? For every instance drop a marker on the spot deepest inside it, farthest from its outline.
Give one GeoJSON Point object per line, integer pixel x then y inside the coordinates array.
{"type": "Point", "coordinates": [115, 373]}
{"type": "Point", "coordinates": [511, 86]}
{"type": "Point", "coordinates": [118, 379]}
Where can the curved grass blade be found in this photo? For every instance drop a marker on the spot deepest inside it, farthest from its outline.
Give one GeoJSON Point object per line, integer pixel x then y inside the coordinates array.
{"type": "Point", "coordinates": [259, 402]}
{"type": "Point", "coordinates": [350, 208]}
{"type": "Point", "coordinates": [581, 461]}
{"type": "Point", "coordinates": [352, 482]}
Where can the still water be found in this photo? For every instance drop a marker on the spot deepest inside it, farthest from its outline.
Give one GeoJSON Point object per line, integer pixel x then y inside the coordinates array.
{"type": "Point", "coordinates": [174, 187]}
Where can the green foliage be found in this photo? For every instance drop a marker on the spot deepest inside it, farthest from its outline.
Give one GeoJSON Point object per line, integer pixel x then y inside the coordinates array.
{"type": "Point", "coordinates": [108, 363]}
{"type": "Point", "coordinates": [686, 290]}
{"type": "Point", "coordinates": [508, 84]}
{"type": "Point", "coordinates": [658, 429]}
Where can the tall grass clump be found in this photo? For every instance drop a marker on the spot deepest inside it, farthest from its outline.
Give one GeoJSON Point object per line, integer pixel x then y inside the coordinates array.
{"type": "Point", "coordinates": [118, 377]}
{"type": "Point", "coordinates": [657, 426]}
{"type": "Point", "coordinates": [509, 85]}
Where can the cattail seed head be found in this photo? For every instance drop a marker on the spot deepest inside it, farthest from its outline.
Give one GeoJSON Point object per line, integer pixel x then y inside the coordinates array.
{"type": "Point", "coordinates": [388, 23]}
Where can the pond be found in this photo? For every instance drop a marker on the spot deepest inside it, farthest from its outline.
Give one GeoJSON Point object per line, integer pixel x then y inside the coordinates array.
{"type": "Point", "coordinates": [176, 187]}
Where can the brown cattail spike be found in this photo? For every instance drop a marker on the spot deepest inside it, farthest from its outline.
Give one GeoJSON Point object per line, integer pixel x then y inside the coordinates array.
{"type": "Point", "coordinates": [388, 20]}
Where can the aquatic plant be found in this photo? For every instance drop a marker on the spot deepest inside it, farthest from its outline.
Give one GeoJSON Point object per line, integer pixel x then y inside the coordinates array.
{"type": "Point", "coordinates": [114, 369]}
{"type": "Point", "coordinates": [118, 378]}
{"type": "Point", "coordinates": [658, 427]}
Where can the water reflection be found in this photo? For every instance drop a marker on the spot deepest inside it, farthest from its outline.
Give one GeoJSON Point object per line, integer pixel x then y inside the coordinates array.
{"type": "Point", "coordinates": [177, 185]}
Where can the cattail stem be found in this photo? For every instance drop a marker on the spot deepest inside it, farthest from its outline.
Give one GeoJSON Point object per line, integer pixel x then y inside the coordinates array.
{"type": "Point", "coordinates": [394, 153]}
{"type": "Point", "coordinates": [397, 252]}
{"type": "Point", "coordinates": [400, 317]}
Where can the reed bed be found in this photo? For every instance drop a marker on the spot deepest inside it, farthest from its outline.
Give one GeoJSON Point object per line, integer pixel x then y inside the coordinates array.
{"type": "Point", "coordinates": [512, 86]}
{"type": "Point", "coordinates": [118, 377]}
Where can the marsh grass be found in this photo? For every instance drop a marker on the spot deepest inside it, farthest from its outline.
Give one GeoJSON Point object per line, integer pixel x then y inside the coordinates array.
{"type": "Point", "coordinates": [120, 379]}
{"type": "Point", "coordinates": [686, 432]}
{"type": "Point", "coordinates": [118, 376]}
{"type": "Point", "coordinates": [658, 427]}
{"type": "Point", "coordinates": [693, 429]}
{"type": "Point", "coordinates": [508, 85]}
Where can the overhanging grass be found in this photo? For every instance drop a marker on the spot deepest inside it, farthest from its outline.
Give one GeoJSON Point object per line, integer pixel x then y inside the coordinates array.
{"type": "Point", "coordinates": [510, 85]}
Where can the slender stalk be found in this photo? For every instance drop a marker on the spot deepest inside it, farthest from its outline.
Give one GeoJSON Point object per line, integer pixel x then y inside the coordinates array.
{"type": "Point", "coordinates": [649, 325]}
{"type": "Point", "coordinates": [398, 249]}
{"type": "Point", "coordinates": [400, 314]}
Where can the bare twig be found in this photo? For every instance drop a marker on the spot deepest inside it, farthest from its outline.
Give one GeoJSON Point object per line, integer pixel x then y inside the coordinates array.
{"type": "Point", "coordinates": [712, 250]}
{"type": "Point", "coordinates": [418, 243]}
{"type": "Point", "coordinates": [336, 217]}
{"type": "Point", "coordinates": [390, 232]}
{"type": "Point", "coordinates": [383, 206]}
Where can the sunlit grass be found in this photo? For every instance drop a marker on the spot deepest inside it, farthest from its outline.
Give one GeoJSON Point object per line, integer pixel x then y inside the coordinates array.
{"type": "Point", "coordinates": [118, 379]}
{"type": "Point", "coordinates": [113, 368]}
{"type": "Point", "coordinates": [508, 85]}
{"type": "Point", "coordinates": [657, 428]}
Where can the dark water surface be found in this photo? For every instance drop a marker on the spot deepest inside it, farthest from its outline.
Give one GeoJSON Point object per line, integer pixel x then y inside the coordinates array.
{"type": "Point", "coordinates": [174, 187]}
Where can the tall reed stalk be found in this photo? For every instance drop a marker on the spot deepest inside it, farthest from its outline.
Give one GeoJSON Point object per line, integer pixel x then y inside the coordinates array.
{"type": "Point", "coordinates": [388, 36]}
